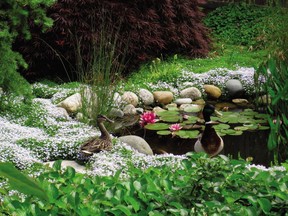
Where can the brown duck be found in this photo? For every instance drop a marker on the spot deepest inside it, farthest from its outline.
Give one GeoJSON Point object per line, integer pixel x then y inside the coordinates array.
{"type": "Point", "coordinates": [97, 144]}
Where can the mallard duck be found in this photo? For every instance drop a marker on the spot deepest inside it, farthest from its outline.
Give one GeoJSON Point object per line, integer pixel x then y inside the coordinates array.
{"type": "Point", "coordinates": [97, 144]}
{"type": "Point", "coordinates": [209, 141]}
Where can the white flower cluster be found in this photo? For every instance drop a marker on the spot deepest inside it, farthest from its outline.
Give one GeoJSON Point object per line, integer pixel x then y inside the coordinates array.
{"type": "Point", "coordinates": [122, 156]}
{"type": "Point", "coordinates": [219, 77]}
{"type": "Point", "coordinates": [24, 145]}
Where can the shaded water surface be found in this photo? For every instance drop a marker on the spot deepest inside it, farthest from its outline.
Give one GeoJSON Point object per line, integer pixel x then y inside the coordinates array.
{"type": "Point", "coordinates": [249, 144]}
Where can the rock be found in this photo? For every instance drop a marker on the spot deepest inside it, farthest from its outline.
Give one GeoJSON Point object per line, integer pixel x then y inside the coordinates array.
{"type": "Point", "coordinates": [194, 108]}
{"type": "Point", "coordinates": [191, 92]}
{"type": "Point", "coordinates": [240, 101]}
{"type": "Point", "coordinates": [68, 163]}
{"type": "Point", "coordinates": [137, 143]}
{"type": "Point", "coordinates": [117, 99]}
{"type": "Point", "coordinates": [117, 112]}
{"type": "Point", "coordinates": [170, 106]}
{"type": "Point", "coordinates": [129, 110]}
{"type": "Point", "coordinates": [130, 98]}
{"type": "Point", "coordinates": [180, 101]}
{"type": "Point", "coordinates": [234, 88]}
{"type": "Point", "coordinates": [212, 91]}
{"type": "Point", "coordinates": [146, 97]}
{"type": "Point", "coordinates": [163, 97]}
{"type": "Point", "coordinates": [72, 103]}
{"type": "Point", "coordinates": [199, 102]}
{"type": "Point", "coordinates": [158, 109]}
{"type": "Point", "coordinates": [61, 113]}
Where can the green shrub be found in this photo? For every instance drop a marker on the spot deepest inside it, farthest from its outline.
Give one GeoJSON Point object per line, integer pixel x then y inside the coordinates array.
{"type": "Point", "coordinates": [240, 24]}
{"type": "Point", "coordinates": [204, 187]}
{"type": "Point", "coordinates": [14, 16]}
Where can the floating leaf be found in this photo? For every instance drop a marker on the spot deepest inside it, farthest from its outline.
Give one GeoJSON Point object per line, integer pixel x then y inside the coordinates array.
{"type": "Point", "coordinates": [241, 128]}
{"type": "Point", "coordinates": [172, 118]}
{"type": "Point", "coordinates": [192, 108]}
{"type": "Point", "coordinates": [185, 134]}
{"type": "Point", "coordinates": [221, 126]}
{"type": "Point", "coordinates": [167, 113]}
{"type": "Point", "coordinates": [263, 127]}
{"type": "Point", "coordinates": [237, 133]}
{"type": "Point", "coordinates": [164, 132]}
{"type": "Point", "coordinates": [157, 126]}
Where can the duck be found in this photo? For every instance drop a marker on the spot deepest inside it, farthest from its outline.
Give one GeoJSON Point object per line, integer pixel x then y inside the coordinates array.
{"type": "Point", "coordinates": [96, 144]}
{"type": "Point", "coordinates": [209, 141]}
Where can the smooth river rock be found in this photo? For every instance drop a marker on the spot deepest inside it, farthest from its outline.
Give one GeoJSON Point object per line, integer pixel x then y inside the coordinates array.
{"type": "Point", "coordinates": [137, 143]}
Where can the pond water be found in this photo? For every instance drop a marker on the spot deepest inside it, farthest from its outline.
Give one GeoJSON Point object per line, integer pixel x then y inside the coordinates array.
{"type": "Point", "coordinates": [249, 144]}
{"type": "Point", "coordinates": [244, 131]}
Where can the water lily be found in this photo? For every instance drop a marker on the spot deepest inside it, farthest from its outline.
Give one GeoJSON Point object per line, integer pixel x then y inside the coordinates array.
{"type": "Point", "coordinates": [147, 118]}
{"type": "Point", "coordinates": [175, 127]}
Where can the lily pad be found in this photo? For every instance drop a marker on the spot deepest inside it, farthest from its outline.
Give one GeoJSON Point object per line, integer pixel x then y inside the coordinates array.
{"type": "Point", "coordinates": [221, 126]}
{"type": "Point", "coordinates": [172, 118]}
{"type": "Point", "coordinates": [157, 126]}
{"type": "Point", "coordinates": [241, 128]}
{"type": "Point", "coordinates": [167, 113]}
{"type": "Point", "coordinates": [263, 127]}
{"type": "Point", "coordinates": [164, 132]}
{"type": "Point", "coordinates": [193, 108]}
{"type": "Point", "coordinates": [191, 120]}
{"type": "Point", "coordinates": [228, 131]}
{"type": "Point", "coordinates": [187, 134]}
{"type": "Point", "coordinates": [237, 133]}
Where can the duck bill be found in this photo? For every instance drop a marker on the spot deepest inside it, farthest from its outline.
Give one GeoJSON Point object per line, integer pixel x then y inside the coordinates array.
{"type": "Point", "coordinates": [217, 113]}
{"type": "Point", "coordinates": [109, 120]}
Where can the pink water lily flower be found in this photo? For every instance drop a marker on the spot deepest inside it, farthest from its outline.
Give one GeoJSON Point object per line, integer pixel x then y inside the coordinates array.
{"type": "Point", "coordinates": [175, 127]}
{"type": "Point", "coordinates": [147, 118]}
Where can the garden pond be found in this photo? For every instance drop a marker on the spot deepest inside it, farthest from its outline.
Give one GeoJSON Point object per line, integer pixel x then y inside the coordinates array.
{"type": "Point", "coordinates": [244, 131]}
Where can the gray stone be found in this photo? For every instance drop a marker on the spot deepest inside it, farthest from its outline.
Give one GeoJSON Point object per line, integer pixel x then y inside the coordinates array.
{"type": "Point", "coordinates": [129, 110]}
{"type": "Point", "coordinates": [234, 88]}
{"type": "Point", "coordinates": [69, 163]}
{"type": "Point", "coordinates": [191, 92]}
{"type": "Point", "coordinates": [146, 97]}
{"type": "Point", "coordinates": [130, 98]}
{"type": "Point", "coordinates": [180, 101]}
{"type": "Point", "coordinates": [72, 103]}
{"type": "Point", "coordinates": [137, 143]}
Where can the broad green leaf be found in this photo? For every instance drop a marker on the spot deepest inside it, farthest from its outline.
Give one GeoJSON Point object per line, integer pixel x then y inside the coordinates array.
{"type": "Point", "coordinates": [164, 132]}
{"type": "Point", "coordinates": [21, 182]}
{"type": "Point", "coordinates": [135, 204]}
{"type": "Point", "coordinates": [57, 165]}
{"type": "Point", "coordinates": [265, 204]}
{"type": "Point", "coordinates": [157, 126]}
{"type": "Point", "coordinates": [137, 185]}
{"type": "Point", "coordinates": [124, 209]}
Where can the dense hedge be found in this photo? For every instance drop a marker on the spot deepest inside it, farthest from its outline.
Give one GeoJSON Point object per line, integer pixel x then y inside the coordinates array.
{"type": "Point", "coordinates": [147, 29]}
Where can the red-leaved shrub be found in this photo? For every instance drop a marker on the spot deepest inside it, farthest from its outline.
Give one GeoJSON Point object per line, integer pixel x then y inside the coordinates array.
{"type": "Point", "coordinates": [146, 29]}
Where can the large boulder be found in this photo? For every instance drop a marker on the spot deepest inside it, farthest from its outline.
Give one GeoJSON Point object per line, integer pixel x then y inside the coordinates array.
{"type": "Point", "coordinates": [137, 143]}
{"type": "Point", "coordinates": [191, 92]}
{"type": "Point", "coordinates": [72, 104]}
{"type": "Point", "coordinates": [69, 163]}
{"type": "Point", "coordinates": [146, 97]}
{"type": "Point", "coordinates": [212, 91]}
{"type": "Point", "coordinates": [163, 97]}
{"type": "Point", "coordinates": [130, 98]}
{"type": "Point", "coordinates": [234, 88]}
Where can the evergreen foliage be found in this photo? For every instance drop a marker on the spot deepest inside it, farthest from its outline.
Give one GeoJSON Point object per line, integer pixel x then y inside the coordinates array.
{"type": "Point", "coordinates": [14, 21]}
{"type": "Point", "coordinates": [147, 29]}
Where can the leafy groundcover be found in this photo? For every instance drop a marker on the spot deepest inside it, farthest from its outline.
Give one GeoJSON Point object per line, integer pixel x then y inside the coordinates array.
{"type": "Point", "coordinates": [201, 186]}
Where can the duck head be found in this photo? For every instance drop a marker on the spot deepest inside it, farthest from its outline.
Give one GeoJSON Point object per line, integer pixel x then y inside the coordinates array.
{"type": "Point", "coordinates": [103, 118]}
{"type": "Point", "coordinates": [208, 110]}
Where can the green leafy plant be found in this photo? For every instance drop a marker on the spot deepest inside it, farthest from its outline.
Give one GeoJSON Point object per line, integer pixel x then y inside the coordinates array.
{"type": "Point", "coordinates": [271, 79]}
{"type": "Point", "coordinates": [240, 24]}
{"type": "Point", "coordinates": [14, 18]}
{"type": "Point", "coordinates": [202, 186]}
